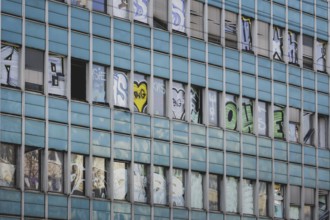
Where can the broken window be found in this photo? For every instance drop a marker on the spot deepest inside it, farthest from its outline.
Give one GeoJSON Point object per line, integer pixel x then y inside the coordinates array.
{"type": "Point", "coordinates": [196, 190]}
{"type": "Point", "coordinates": [99, 83]}
{"type": "Point", "coordinates": [159, 99]}
{"type": "Point", "coordinates": [308, 52]}
{"type": "Point", "coordinates": [323, 204]}
{"type": "Point", "coordinates": [178, 184]}
{"type": "Point", "coordinates": [178, 98]}
{"type": "Point", "coordinates": [278, 122]}
{"type": "Point", "coordinates": [321, 60]}
{"type": "Point", "coordinates": [214, 186]}
{"type": "Point", "coordinates": [213, 101]}
{"type": "Point", "coordinates": [247, 115]}
{"type": "Point", "coordinates": [232, 194]}
{"type": "Point", "coordinates": [140, 93]}
{"type": "Point", "coordinates": [231, 29]}
{"type": "Point", "coordinates": [121, 8]}
{"type": "Point", "coordinates": [278, 43]}
{"type": "Point", "coordinates": [323, 131]}
{"type": "Point", "coordinates": [34, 69]}
{"type": "Point", "coordinates": [278, 200]}
{"type": "Point", "coordinates": [80, 3]}
{"type": "Point", "coordinates": [214, 24]}
{"type": "Point", "coordinates": [246, 32]}
{"type": "Point", "coordinates": [160, 14]}
{"type": "Point", "coordinates": [294, 124]}
{"type": "Point", "coordinates": [231, 112]}
{"type": "Point", "coordinates": [178, 15]}
{"type": "Point", "coordinates": [294, 202]}
{"type": "Point", "coordinates": [263, 199]}
{"type": "Point", "coordinates": [293, 47]}
{"type": "Point", "coordinates": [32, 168]}
{"type": "Point", "coordinates": [10, 59]}
{"type": "Point", "coordinates": [56, 77]}
{"type": "Point", "coordinates": [263, 38]}
{"type": "Point", "coordinates": [120, 89]}
{"type": "Point", "coordinates": [55, 171]}
{"type": "Point", "coordinates": [196, 19]}
{"type": "Point", "coordinates": [8, 154]}
{"type": "Point", "coordinates": [120, 186]}
{"type": "Point", "coordinates": [248, 196]}
{"type": "Point", "coordinates": [78, 79]}
{"type": "Point", "coordinates": [77, 174]}
{"type": "Point", "coordinates": [141, 10]}
{"type": "Point", "coordinates": [100, 5]}
{"type": "Point", "coordinates": [308, 130]}
{"type": "Point", "coordinates": [160, 185]}
{"type": "Point", "coordinates": [309, 203]}
{"type": "Point", "coordinates": [196, 104]}
{"type": "Point", "coordinates": [140, 183]}
{"type": "Point", "coordinates": [99, 177]}
{"type": "Point", "coordinates": [262, 118]}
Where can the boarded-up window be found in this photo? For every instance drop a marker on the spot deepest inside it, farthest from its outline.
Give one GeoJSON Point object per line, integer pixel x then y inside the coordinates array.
{"type": "Point", "coordinates": [99, 83]}
{"type": "Point", "coordinates": [278, 122]}
{"type": "Point", "coordinates": [99, 177]}
{"type": "Point", "coordinates": [278, 201]}
{"type": "Point", "coordinates": [178, 187]}
{"type": "Point", "coordinates": [77, 174]}
{"type": "Point", "coordinates": [248, 197]}
{"type": "Point", "coordinates": [140, 93]}
{"type": "Point", "coordinates": [293, 47]}
{"type": "Point", "coordinates": [213, 107]}
{"type": "Point", "coordinates": [178, 15]}
{"type": "Point", "coordinates": [262, 118]}
{"type": "Point", "coordinates": [214, 24]}
{"type": "Point", "coordinates": [247, 115]}
{"type": "Point", "coordinates": [8, 154]}
{"type": "Point", "coordinates": [294, 124]}
{"type": "Point", "coordinates": [232, 194]}
{"type": "Point", "coordinates": [231, 112]}
{"type": "Point", "coordinates": [56, 77]}
{"type": "Point", "coordinates": [308, 130]}
{"type": "Point", "coordinates": [321, 51]}
{"type": "Point", "coordinates": [10, 59]}
{"type": "Point", "coordinates": [120, 89]}
{"type": "Point", "coordinates": [32, 169]}
{"type": "Point", "coordinates": [141, 10]}
{"type": "Point", "coordinates": [159, 96]}
{"type": "Point", "coordinates": [231, 29]}
{"type": "Point", "coordinates": [246, 33]}
{"type": "Point", "coordinates": [196, 104]}
{"type": "Point", "coordinates": [263, 199]}
{"type": "Point", "coordinates": [121, 8]}
{"type": "Point", "coordinates": [196, 19]}
{"type": "Point", "coordinates": [214, 186]}
{"type": "Point", "coordinates": [55, 171]}
{"type": "Point", "coordinates": [178, 96]}
{"type": "Point", "coordinates": [277, 43]}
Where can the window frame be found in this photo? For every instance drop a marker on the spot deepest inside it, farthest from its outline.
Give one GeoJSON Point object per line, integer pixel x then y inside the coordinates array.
{"type": "Point", "coordinates": [35, 69]}
{"type": "Point", "coordinates": [16, 77]}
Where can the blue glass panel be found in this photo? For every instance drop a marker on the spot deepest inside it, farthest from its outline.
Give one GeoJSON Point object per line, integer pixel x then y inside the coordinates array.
{"type": "Point", "coordinates": [198, 74]}
{"type": "Point", "coordinates": [142, 36]}
{"type": "Point", "coordinates": [101, 51]}
{"type": "Point", "coordinates": [12, 7]}
{"type": "Point", "coordinates": [58, 14]}
{"type": "Point", "coordinates": [142, 60]}
{"type": "Point", "coordinates": [57, 136]}
{"type": "Point", "coordinates": [198, 159]}
{"type": "Point", "coordinates": [80, 45]}
{"type": "Point", "coordinates": [161, 41]}
{"type": "Point", "coordinates": [80, 19]}
{"type": "Point", "coordinates": [101, 25]}
{"type": "Point", "coordinates": [11, 29]}
{"type": "Point", "coordinates": [161, 65]}
{"type": "Point", "coordinates": [180, 69]}
{"type": "Point", "coordinates": [35, 35]}
{"type": "Point", "coordinates": [35, 10]}
{"type": "Point", "coordinates": [11, 101]}
{"type": "Point", "coordinates": [58, 40]}
{"type": "Point", "coordinates": [122, 53]}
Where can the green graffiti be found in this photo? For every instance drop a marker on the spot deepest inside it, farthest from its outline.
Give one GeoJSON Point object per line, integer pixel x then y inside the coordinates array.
{"type": "Point", "coordinates": [247, 118]}
{"type": "Point", "coordinates": [278, 124]}
{"type": "Point", "coordinates": [231, 115]}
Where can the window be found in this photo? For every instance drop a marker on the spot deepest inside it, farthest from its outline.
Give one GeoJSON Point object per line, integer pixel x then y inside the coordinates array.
{"type": "Point", "coordinates": [309, 203]}
{"type": "Point", "coordinates": [263, 38]}
{"type": "Point", "coordinates": [32, 169]}
{"type": "Point", "coordinates": [247, 115]}
{"type": "Point", "coordinates": [160, 185]}
{"type": "Point", "coordinates": [196, 19]}
{"type": "Point", "coordinates": [120, 178]}
{"type": "Point", "coordinates": [77, 174]}
{"type": "Point", "coordinates": [196, 105]}
{"type": "Point", "coordinates": [278, 201]}
{"type": "Point", "coordinates": [196, 190]}
{"type": "Point", "coordinates": [292, 47]}
{"type": "Point", "coordinates": [55, 171]}
{"type": "Point", "coordinates": [308, 130]}
{"type": "Point", "coordinates": [159, 96]}
{"type": "Point", "coordinates": [321, 61]}
{"type": "Point", "coordinates": [294, 202]}
{"type": "Point", "coordinates": [214, 192]}
{"type": "Point", "coordinates": [100, 5]}
{"type": "Point", "coordinates": [99, 177]}
{"type": "Point", "coordinates": [278, 43]}
{"type": "Point", "coordinates": [34, 69]}
{"type": "Point", "coordinates": [262, 118]}
{"type": "Point", "coordinates": [8, 155]}
{"type": "Point", "coordinates": [141, 10]}
{"type": "Point", "coordinates": [99, 83]}
{"type": "Point", "coordinates": [231, 29]}
{"type": "Point", "coordinates": [294, 124]}
{"type": "Point", "coordinates": [278, 122]}
{"type": "Point", "coordinates": [231, 112]}
{"type": "Point", "coordinates": [323, 122]}
{"type": "Point", "coordinates": [78, 79]}
{"type": "Point", "coordinates": [56, 77]}
{"type": "Point", "coordinates": [140, 183]}
{"type": "Point", "coordinates": [160, 14]}
{"type": "Point", "coordinates": [214, 24]}
{"type": "Point", "coordinates": [263, 199]}
{"type": "Point", "coordinates": [120, 89]}
{"type": "Point", "coordinates": [10, 59]}
{"type": "Point", "coordinates": [232, 194]}
{"type": "Point", "coordinates": [248, 196]}
{"type": "Point", "coordinates": [80, 3]}
{"type": "Point", "coordinates": [140, 93]}
{"type": "Point", "coordinates": [308, 52]}
{"type": "Point", "coordinates": [246, 33]}
{"type": "Point", "coordinates": [178, 96]}
{"type": "Point", "coordinates": [323, 204]}
{"type": "Point", "coordinates": [178, 15]}
{"type": "Point", "coordinates": [178, 190]}
{"type": "Point", "coordinates": [214, 102]}
{"type": "Point", "coordinates": [121, 8]}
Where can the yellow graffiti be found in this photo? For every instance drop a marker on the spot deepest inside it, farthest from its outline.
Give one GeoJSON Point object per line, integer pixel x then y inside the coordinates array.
{"type": "Point", "coordinates": [140, 95]}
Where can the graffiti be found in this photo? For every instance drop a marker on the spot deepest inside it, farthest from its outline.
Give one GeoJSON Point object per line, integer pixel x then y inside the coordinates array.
{"type": "Point", "coordinates": [159, 86]}
{"type": "Point", "coordinates": [246, 34]}
{"type": "Point", "coordinates": [55, 171]}
{"type": "Point", "coordinates": [247, 117]}
{"type": "Point", "coordinates": [140, 183]}
{"type": "Point", "coordinates": [99, 84]}
{"type": "Point", "coordinates": [277, 43]}
{"type": "Point", "coordinates": [120, 184]}
{"type": "Point", "coordinates": [308, 131]}
{"type": "Point", "coordinates": [77, 174]}
{"type": "Point", "coordinates": [262, 118]}
{"type": "Point", "coordinates": [178, 188]}
{"type": "Point", "coordinates": [231, 115]}
{"type": "Point", "coordinates": [7, 165]}
{"type": "Point", "coordinates": [292, 48]}
{"type": "Point", "coordinates": [159, 186]}
{"type": "Point", "coordinates": [213, 108]}
{"type": "Point", "coordinates": [99, 178]}
{"type": "Point", "coordinates": [31, 170]}
{"type": "Point", "coordinates": [120, 8]}
{"type": "Point", "coordinates": [140, 96]}
{"type": "Point", "coordinates": [141, 10]}
{"type": "Point", "coordinates": [321, 56]}
{"type": "Point", "coordinates": [9, 65]}
{"type": "Point", "coordinates": [178, 107]}
{"type": "Point", "coordinates": [159, 97]}
{"type": "Point", "coordinates": [293, 132]}
{"type": "Point", "coordinates": [56, 78]}
{"type": "Point", "coordinates": [278, 201]}
{"type": "Point", "coordinates": [230, 27]}
{"type": "Point", "coordinates": [120, 89]}
{"type": "Point", "coordinates": [278, 124]}
{"type": "Point", "coordinates": [178, 15]}
{"type": "Point", "coordinates": [195, 105]}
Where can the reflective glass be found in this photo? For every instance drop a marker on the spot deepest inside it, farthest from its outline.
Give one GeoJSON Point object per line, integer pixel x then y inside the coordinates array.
{"type": "Point", "coordinates": [7, 165]}
{"type": "Point", "coordinates": [99, 177]}
{"type": "Point", "coordinates": [55, 171]}
{"type": "Point", "coordinates": [140, 183]}
{"type": "Point", "coordinates": [120, 186]}
{"type": "Point", "coordinates": [196, 190]}
{"type": "Point", "coordinates": [32, 169]}
{"type": "Point", "coordinates": [77, 174]}
{"type": "Point", "coordinates": [178, 190]}
{"type": "Point", "coordinates": [160, 185]}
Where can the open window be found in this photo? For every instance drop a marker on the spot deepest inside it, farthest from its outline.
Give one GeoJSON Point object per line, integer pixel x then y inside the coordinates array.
{"type": "Point", "coordinates": [159, 96]}
{"type": "Point", "coordinates": [232, 194]}
{"type": "Point", "coordinates": [179, 15]}
{"type": "Point", "coordinates": [295, 202]}
{"type": "Point", "coordinates": [178, 187]}
{"type": "Point", "coordinates": [263, 199]}
{"type": "Point", "coordinates": [248, 196]}
{"type": "Point", "coordinates": [278, 122]}
{"type": "Point", "coordinates": [32, 172]}
{"type": "Point", "coordinates": [231, 112]}
{"type": "Point", "coordinates": [34, 70]}
{"type": "Point", "coordinates": [100, 5]}
{"type": "Point", "coordinates": [196, 104]}
{"type": "Point", "coordinates": [247, 115]}
{"type": "Point", "coordinates": [140, 183]}
{"type": "Point", "coordinates": [278, 43]}
{"type": "Point", "coordinates": [231, 29]}
{"type": "Point", "coordinates": [141, 10]}
{"type": "Point", "coordinates": [10, 59]}
{"type": "Point", "coordinates": [55, 171]}
{"type": "Point", "coordinates": [78, 79]}
{"type": "Point", "coordinates": [8, 164]}
{"type": "Point", "coordinates": [197, 19]}
{"type": "Point", "coordinates": [120, 178]}
{"type": "Point", "coordinates": [120, 89]}
{"type": "Point", "coordinates": [99, 177]}
{"type": "Point", "coordinates": [160, 185]}
{"type": "Point", "coordinates": [214, 103]}
{"type": "Point", "coordinates": [140, 93]}
{"type": "Point", "coordinates": [99, 83]}
{"type": "Point", "coordinates": [214, 192]}
{"type": "Point", "coordinates": [161, 14]}
{"type": "Point", "coordinates": [178, 98]}
{"type": "Point", "coordinates": [321, 60]}
{"type": "Point", "coordinates": [308, 43]}
{"type": "Point", "coordinates": [308, 130]}
{"type": "Point", "coordinates": [323, 130]}
{"type": "Point", "coordinates": [263, 118]}
{"type": "Point", "coordinates": [214, 24]}
{"type": "Point", "coordinates": [246, 33]}
{"type": "Point", "coordinates": [294, 124]}
{"type": "Point", "coordinates": [197, 197]}
{"type": "Point", "coordinates": [77, 174]}
{"type": "Point", "coordinates": [293, 47]}
{"type": "Point", "coordinates": [309, 203]}
{"type": "Point", "coordinates": [263, 38]}
{"type": "Point", "coordinates": [121, 8]}
{"type": "Point", "coordinates": [56, 77]}
{"type": "Point", "coordinates": [278, 201]}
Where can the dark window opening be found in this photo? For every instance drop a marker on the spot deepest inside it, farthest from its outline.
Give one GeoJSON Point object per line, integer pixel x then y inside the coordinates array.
{"type": "Point", "coordinates": [160, 14]}
{"type": "Point", "coordinates": [34, 69]}
{"type": "Point", "coordinates": [78, 79]}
